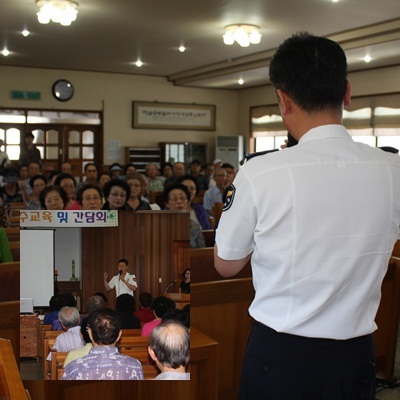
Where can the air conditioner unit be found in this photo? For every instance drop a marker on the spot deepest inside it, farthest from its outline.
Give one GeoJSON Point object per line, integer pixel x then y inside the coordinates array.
{"type": "Point", "coordinates": [229, 149]}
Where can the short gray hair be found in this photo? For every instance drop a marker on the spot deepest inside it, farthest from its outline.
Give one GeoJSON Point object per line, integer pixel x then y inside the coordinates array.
{"type": "Point", "coordinates": [69, 317]}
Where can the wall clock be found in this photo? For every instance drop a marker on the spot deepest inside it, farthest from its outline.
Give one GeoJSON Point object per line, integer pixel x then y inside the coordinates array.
{"type": "Point", "coordinates": [62, 90]}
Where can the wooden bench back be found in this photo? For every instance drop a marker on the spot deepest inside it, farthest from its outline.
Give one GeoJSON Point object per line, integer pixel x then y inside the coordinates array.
{"type": "Point", "coordinates": [11, 387]}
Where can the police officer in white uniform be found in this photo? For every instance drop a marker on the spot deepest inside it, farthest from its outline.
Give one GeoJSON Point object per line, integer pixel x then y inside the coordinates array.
{"type": "Point", "coordinates": [123, 282]}
{"type": "Point", "coordinates": [319, 221]}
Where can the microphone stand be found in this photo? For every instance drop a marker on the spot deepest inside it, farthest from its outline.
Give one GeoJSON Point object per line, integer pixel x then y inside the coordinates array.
{"type": "Point", "coordinates": [172, 284]}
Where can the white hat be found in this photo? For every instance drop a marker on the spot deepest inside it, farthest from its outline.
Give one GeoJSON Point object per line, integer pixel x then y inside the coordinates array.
{"type": "Point", "coordinates": [216, 161]}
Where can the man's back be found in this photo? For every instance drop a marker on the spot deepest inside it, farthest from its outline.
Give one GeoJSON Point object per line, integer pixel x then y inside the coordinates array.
{"type": "Point", "coordinates": [104, 363]}
{"type": "Point", "coordinates": [325, 216]}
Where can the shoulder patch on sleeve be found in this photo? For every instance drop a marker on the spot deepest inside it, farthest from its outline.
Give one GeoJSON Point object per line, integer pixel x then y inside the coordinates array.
{"type": "Point", "coordinates": [229, 197]}
{"type": "Point", "coordinates": [260, 153]}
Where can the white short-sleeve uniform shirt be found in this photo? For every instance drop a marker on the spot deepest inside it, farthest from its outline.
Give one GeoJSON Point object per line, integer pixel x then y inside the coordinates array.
{"type": "Point", "coordinates": [321, 219]}
{"type": "Point", "coordinates": [120, 286]}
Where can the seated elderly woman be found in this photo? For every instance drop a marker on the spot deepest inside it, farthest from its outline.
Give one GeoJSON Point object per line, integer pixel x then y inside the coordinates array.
{"type": "Point", "coordinates": [68, 183]}
{"type": "Point", "coordinates": [176, 198]}
{"type": "Point", "coordinates": [116, 192]}
{"type": "Point", "coordinates": [197, 211]}
{"type": "Point", "coordinates": [89, 197]}
{"type": "Point", "coordinates": [53, 198]}
{"type": "Point", "coordinates": [135, 182]}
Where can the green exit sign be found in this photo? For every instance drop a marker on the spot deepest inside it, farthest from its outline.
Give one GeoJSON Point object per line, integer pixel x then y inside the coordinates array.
{"type": "Point", "coordinates": [25, 95]}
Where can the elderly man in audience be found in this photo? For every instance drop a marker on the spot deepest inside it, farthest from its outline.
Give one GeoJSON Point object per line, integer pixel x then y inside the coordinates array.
{"type": "Point", "coordinates": [71, 338]}
{"type": "Point", "coordinates": [178, 170]}
{"type": "Point", "coordinates": [154, 182]}
{"type": "Point", "coordinates": [83, 351]}
{"type": "Point", "coordinates": [160, 306]}
{"type": "Point", "coordinates": [169, 347]}
{"type": "Point", "coordinates": [214, 194]}
{"type": "Point", "coordinates": [104, 362]}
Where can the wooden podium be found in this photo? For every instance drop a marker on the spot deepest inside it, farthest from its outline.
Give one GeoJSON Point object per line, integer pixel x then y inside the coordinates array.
{"type": "Point", "coordinates": [180, 299]}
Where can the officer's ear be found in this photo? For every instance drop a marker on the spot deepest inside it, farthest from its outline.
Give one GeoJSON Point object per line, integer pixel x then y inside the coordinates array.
{"type": "Point", "coordinates": [284, 101]}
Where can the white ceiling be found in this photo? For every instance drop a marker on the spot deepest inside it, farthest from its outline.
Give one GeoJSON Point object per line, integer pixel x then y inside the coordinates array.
{"type": "Point", "coordinates": [109, 36]}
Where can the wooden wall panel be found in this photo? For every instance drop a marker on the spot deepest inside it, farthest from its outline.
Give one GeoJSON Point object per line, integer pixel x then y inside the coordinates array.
{"type": "Point", "coordinates": [146, 239]}
{"type": "Point", "coordinates": [202, 267]}
{"type": "Point", "coordinates": [219, 310]}
{"type": "Point", "coordinates": [387, 319]}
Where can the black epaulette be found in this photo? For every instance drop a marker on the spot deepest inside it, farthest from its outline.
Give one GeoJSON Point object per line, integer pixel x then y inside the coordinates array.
{"type": "Point", "coordinates": [259, 153]}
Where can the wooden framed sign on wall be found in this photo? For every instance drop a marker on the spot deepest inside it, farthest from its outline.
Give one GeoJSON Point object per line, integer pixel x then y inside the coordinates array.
{"type": "Point", "coordinates": [154, 115]}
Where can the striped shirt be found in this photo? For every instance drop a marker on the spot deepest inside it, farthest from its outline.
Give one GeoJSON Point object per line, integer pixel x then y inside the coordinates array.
{"type": "Point", "coordinates": [68, 341]}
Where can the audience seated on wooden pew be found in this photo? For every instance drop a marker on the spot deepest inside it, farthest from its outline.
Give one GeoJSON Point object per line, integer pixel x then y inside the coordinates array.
{"type": "Point", "coordinates": [71, 339]}
{"type": "Point", "coordinates": [197, 211]}
{"type": "Point", "coordinates": [214, 194]}
{"type": "Point", "coordinates": [159, 306]}
{"type": "Point", "coordinates": [125, 307]}
{"type": "Point", "coordinates": [104, 362]}
{"type": "Point", "coordinates": [57, 302]}
{"type": "Point", "coordinates": [181, 316]}
{"type": "Point", "coordinates": [94, 303]}
{"type": "Point", "coordinates": [169, 347]}
{"type": "Point", "coordinates": [176, 198]}
{"type": "Point", "coordinates": [144, 313]}
{"type": "Point", "coordinates": [83, 351]}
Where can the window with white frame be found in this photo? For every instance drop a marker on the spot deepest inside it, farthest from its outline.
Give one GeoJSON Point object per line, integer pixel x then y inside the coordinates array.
{"type": "Point", "coordinates": [371, 120]}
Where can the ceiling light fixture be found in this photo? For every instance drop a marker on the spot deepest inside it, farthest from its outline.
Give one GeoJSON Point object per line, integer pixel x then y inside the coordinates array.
{"type": "Point", "coordinates": [367, 58]}
{"type": "Point", "coordinates": [138, 63]}
{"type": "Point", "coordinates": [59, 11]}
{"type": "Point", "coordinates": [25, 32]}
{"type": "Point", "coordinates": [243, 34]}
{"type": "Point", "coordinates": [182, 48]}
{"type": "Point", "coordinates": [5, 52]}
{"type": "Point", "coordinates": [240, 81]}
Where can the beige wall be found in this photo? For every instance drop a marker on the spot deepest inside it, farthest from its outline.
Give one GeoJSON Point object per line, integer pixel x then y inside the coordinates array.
{"type": "Point", "coordinates": [116, 92]}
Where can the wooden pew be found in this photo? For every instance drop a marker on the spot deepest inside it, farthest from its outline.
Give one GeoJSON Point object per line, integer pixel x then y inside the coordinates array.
{"type": "Point", "coordinates": [15, 208]}
{"type": "Point", "coordinates": [132, 342]}
{"type": "Point", "coordinates": [202, 266]}
{"type": "Point", "coordinates": [140, 353]}
{"type": "Point", "coordinates": [209, 236]}
{"type": "Point", "coordinates": [48, 343]}
{"type": "Point", "coordinates": [217, 211]}
{"type": "Point", "coordinates": [11, 387]}
{"type": "Point", "coordinates": [156, 198]}
{"type": "Point", "coordinates": [131, 332]}
{"type": "Point", "coordinates": [15, 250]}
{"type": "Point", "coordinates": [9, 325]}
{"type": "Point", "coordinates": [9, 281]}
{"type": "Point", "coordinates": [13, 234]}
{"type": "Point", "coordinates": [57, 361]}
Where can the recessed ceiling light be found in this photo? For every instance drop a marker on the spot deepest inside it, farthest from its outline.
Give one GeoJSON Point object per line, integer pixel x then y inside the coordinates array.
{"type": "Point", "coordinates": [240, 81]}
{"type": "Point", "coordinates": [335, 1]}
{"type": "Point", "coordinates": [367, 58]}
{"type": "Point", "coordinates": [5, 52]}
{"type": "Point", "coordinates": [138, 63]}
{"type": "Point", "coordinates": [182, 48]}
{"type": "Point", "coordinates": [25, 32]}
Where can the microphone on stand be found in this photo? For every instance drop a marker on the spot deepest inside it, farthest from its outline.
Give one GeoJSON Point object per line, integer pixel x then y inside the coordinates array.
{"type": "Point", "coordinates": [172, 284]}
